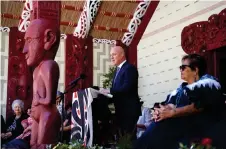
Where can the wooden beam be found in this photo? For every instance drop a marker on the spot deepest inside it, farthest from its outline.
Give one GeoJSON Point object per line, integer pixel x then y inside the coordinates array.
{"type": "Point", "coordinates": [72, 24]}
{"type": "Point", "coordinates": [105, 28]}
{"type": "Point", "coordinates": [10, 16]}
{"type": "Point", "coordinates": [68, 7]}
{"type": "Point", "coordinates": [135, 1]}
{"type": "Point", "coordinates": [114, 14]}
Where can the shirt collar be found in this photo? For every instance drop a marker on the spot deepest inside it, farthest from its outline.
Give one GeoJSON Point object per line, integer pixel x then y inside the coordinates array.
{"type": "Point", "coordinates": [120, 65]}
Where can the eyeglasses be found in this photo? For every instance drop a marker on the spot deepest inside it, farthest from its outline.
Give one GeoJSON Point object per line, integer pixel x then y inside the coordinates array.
{"type": "Point", "coordinates": [182, 67]}
{"type": "Point", "coordinates": [29, 39]}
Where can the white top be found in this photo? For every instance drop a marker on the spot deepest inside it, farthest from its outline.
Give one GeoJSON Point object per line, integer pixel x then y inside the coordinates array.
{"type": "Point", "coordinates": [144, 119]}
{"type": "Point", "coordinates": [120, 65]}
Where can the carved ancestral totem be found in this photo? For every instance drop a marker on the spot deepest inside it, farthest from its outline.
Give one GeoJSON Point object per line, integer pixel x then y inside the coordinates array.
{"type": "Point", "coordinates": [79, 60]}
{"type": "Point", "coordinates": [206, 35]}
{"type": "Point", "coordinates": [19, 75]}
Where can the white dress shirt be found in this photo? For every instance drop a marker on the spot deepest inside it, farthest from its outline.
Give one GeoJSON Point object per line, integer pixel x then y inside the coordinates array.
{"type": "Point", "coordinates": [120, 65]}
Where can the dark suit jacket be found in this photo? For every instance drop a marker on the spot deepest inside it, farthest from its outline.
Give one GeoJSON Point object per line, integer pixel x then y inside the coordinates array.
{"type": "Point", "coordinates": [125, 92]}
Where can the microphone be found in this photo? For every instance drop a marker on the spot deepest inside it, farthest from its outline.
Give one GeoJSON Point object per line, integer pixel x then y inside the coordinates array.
{"type": "Point", "coordinates": [82, 76]}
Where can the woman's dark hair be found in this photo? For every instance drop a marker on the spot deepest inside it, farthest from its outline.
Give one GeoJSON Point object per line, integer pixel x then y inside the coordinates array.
{"type": "Point", "coordinates": [196, 61]}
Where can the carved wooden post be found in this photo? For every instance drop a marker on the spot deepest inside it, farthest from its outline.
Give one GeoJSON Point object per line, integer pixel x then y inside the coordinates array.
{"type": "Point", "coordinates": [50, 10]}
{"type": "Point", "coordinates": [79, 60]}
{"type": "Point", "coordinates": [204, 38]}
{"type": "Point", "coordinates": [79, 49]}
{"type": "Point", "coordinates": [144, 12]}
{"type": "Point", "coordinates": [19, 75]}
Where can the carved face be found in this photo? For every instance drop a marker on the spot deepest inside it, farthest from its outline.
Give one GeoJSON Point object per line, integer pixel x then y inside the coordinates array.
{"type": "Point", "coordinates": [34, 45]}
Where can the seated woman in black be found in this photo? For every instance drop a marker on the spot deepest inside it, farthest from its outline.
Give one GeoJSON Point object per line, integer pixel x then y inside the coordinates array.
{"type": "Point", "coordinates": [189, 111]}
{"type": "Point", "coordinates": [13, 124]}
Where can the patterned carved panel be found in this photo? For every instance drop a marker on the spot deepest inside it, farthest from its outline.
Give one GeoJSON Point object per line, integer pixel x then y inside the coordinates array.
{"type": "Point", "coordinates": [101, 62]}
{"type": "Point", "coordinates": [206, 35]}
{"type": "Point", "coordinates": [79, 59]}
{"type": "Point", "coordinates": [19, 75]}
{"type": "Point", "coordinates": [47, 10]}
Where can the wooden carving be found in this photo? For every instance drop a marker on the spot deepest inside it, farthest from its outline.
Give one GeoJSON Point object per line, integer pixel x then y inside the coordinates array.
{"type": "Point", "coordinates": [19, 75]}
{"type": "Point", "coordinates": [78, 61]}
{"type": "Point", "coordinates": [206, 35]}
{"type": "Point", "coordinates": [47, 10]}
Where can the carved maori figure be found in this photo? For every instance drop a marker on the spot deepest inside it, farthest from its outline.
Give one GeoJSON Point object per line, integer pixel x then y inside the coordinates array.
{"type": "Point", "coordinates": [41, 44]}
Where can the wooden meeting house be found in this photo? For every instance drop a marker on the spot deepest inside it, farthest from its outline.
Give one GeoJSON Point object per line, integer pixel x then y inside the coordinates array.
{"type": "Point", "coordinates": [156, 34]}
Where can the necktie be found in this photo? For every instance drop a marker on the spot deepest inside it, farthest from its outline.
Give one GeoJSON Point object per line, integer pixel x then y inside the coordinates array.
{"type": "Point", "coordinates": [117, 71]}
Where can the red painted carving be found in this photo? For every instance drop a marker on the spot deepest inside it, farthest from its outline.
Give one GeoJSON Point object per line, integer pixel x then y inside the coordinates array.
{"type": "Point", "coordinates": [19, 75]}
{"type": "Point", "coordinates": [79, 59]}
{"type": "Point", "coordinates": [42, 39]}
{"type": "Point", "coordinates": [206, 35]}
{"type": "Point", "coordinates": [47, 10]}
{"type": "Point", "coordinates": [132, 49]}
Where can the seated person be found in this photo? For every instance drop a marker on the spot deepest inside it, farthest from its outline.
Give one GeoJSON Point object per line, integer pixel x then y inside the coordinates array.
{"type": "Point", "coordinates": [13, 124]}
{"type": "Point", "coordinates": [27, 127]}
{"type": "Point", "coordinates": [144, 121]}
{"type": "Point", "coordinates": [59, 97]}
{"type": "Point", "coordinates": [188, 111]}
{"type": "Point", "coordinates": [23, 140]}
{"type": "Point", "coordinates": [67, 124]}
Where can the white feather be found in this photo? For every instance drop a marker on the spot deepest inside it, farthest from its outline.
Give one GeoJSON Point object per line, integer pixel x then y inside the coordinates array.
{"type": "Point", "coordinates": [206, 83]}
{"type": "Point", "coordinates": [173, 93]}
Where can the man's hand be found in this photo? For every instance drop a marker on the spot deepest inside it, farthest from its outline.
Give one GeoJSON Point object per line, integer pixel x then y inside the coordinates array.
{"type": "Point", "coordinates": [104, 91]}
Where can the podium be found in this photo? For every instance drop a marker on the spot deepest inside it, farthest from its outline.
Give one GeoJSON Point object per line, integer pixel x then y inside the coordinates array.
{"type": "Point", "coordinates": [81, 118]}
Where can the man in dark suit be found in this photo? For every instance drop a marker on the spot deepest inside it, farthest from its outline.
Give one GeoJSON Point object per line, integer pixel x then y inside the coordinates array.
{"type": "Point", "coordinates": [125, 91]}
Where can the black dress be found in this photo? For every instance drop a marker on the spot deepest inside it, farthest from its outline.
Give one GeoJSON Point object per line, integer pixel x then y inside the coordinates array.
{"type": "Point", "coordinates": [13, 125]}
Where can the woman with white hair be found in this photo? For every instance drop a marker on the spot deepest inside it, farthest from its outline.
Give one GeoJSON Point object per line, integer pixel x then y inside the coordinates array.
{"type": "Point", "coordinates": [13, 124]}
